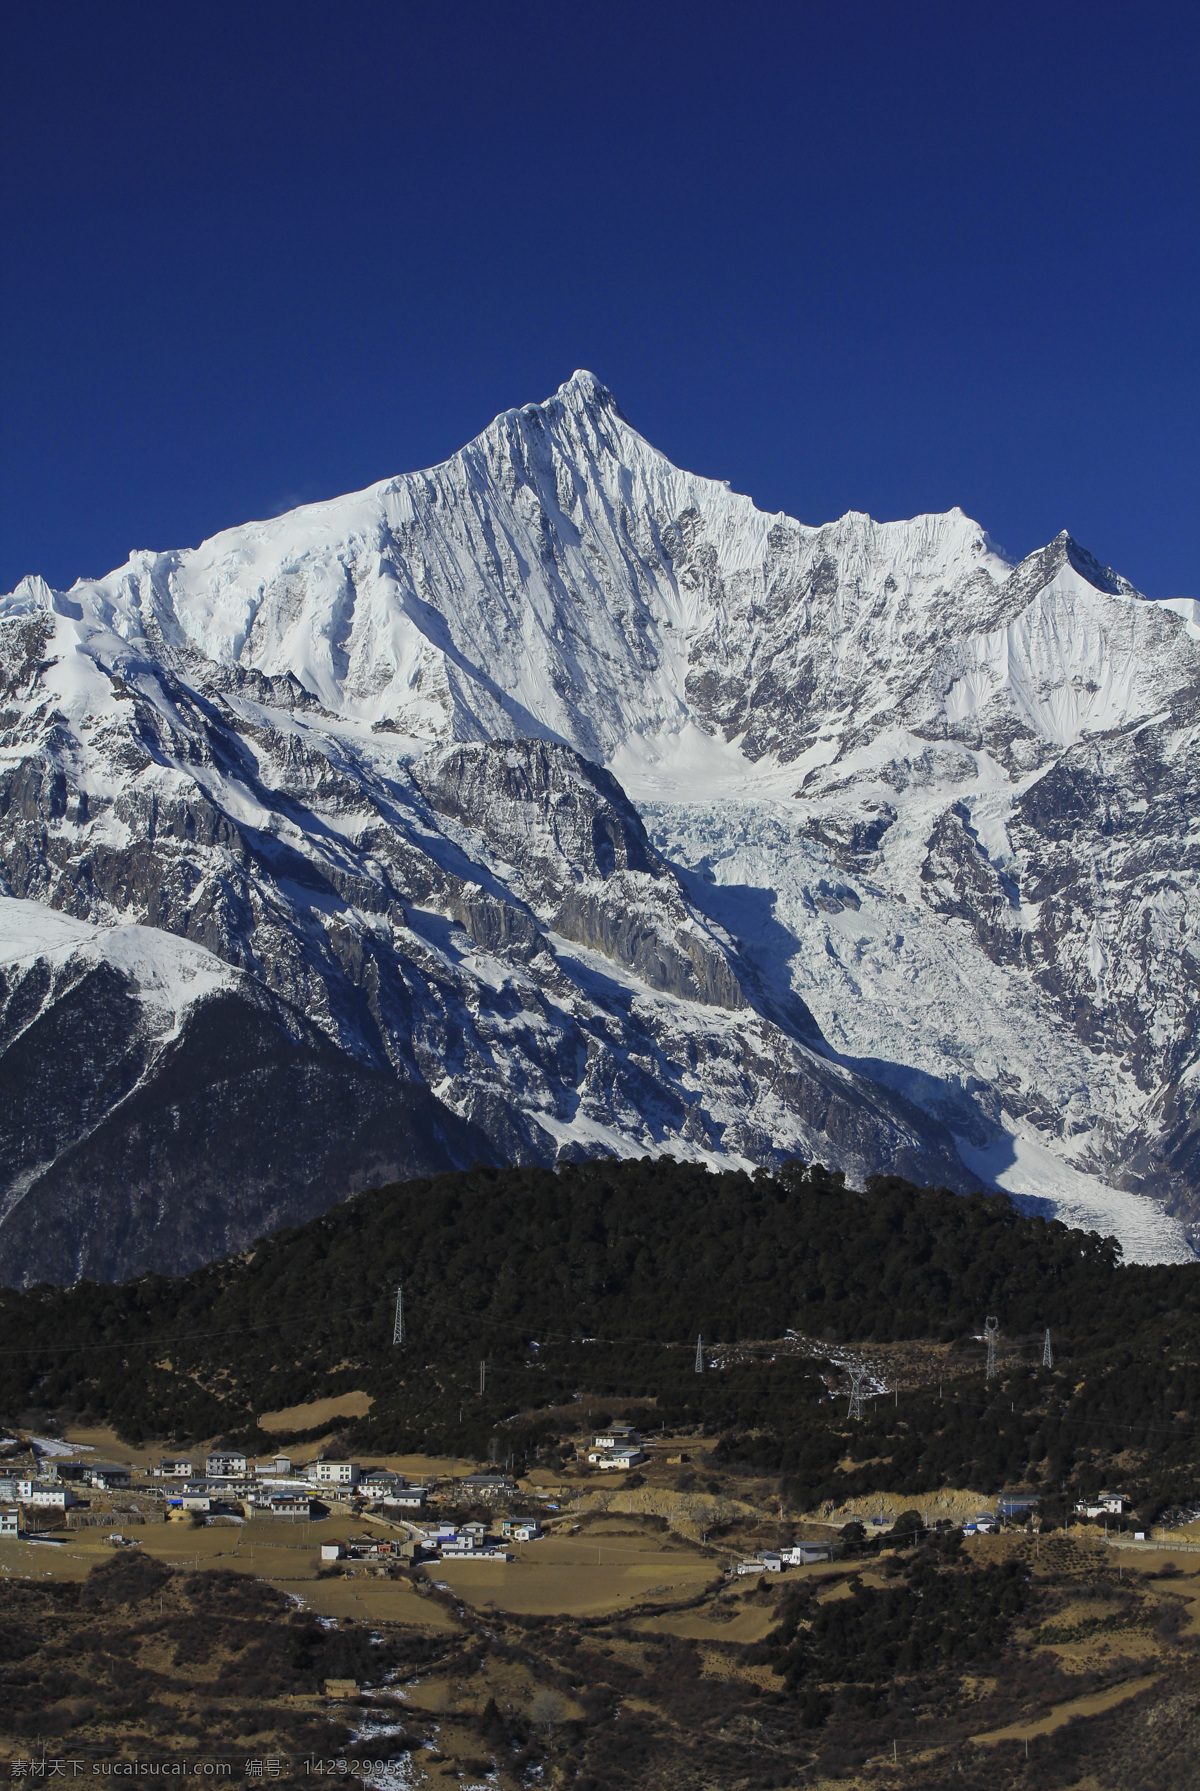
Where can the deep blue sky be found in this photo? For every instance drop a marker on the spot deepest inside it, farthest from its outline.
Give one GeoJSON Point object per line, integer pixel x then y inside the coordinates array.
{"type": "Point", "coordinates": [882, 257]}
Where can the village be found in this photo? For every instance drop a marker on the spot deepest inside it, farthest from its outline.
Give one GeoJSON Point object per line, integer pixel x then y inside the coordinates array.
{"type": "Point", "coordinates": [57, 1490]}
{"type": "Point", "coordinates": [649, 1548]}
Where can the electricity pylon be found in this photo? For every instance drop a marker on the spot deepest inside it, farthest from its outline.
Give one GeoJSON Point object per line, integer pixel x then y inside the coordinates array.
{"type": "Point", "coordinates": [699, 1354]}
{"type": "Point", "coordinates": [991, 1330]}
{"type": "Point", "coordinates": [858, 1380]}
{"type": "Point", "coordinates": [398, 1335]}
{"type": "Point", "coordinates": [1047, 1351]}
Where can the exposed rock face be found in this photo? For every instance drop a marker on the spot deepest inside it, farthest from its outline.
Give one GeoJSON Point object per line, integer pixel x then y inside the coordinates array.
{"type": "Point", "coordinates": [555, 800]}
{"type": "Point", "coordinates": [1096, 894]}
{"type": "Point", "coordinates": [141, 1080]}
{"type": "Point", "coordinates": [565, 833]}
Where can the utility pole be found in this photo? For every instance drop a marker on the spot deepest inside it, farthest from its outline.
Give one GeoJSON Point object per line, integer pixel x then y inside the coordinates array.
{"type": "Point", "coordinates": [991, 1330]}
{"type": "Point", "coordinates": [398, 1333]}
{"type": "Point", "coordinates": [1047, 1351]}
{"type": "Point", "coordinates": [699, 1354]}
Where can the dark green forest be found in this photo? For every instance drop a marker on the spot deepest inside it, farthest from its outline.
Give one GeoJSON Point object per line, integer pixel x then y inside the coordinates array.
{"type": "Point", "coordinates": [590, 1283]}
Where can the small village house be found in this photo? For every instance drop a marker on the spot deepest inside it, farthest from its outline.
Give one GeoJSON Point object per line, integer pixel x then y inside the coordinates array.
{"type": "Point", "coordinates": [108, 1476]}
{"type": "Point", "coordinates": [619, 1436]}
{"type": "Point", "coordinates": [408, 1498]}
{"type": "Point", "coordinates": [342, 1474]}
{"type": "Point", "coordinates": [521, 1529]}
{"type": "Point", "coordinates": [46, 1495]}
{"type": "Point", "coordinates": [1103, 1504]}
{"type": "Point", "coordinates": [173, 1467]}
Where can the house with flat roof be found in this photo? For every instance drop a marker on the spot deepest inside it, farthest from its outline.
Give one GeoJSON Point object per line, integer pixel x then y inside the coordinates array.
{"type": "Point", "coordinates": [333, 1473]}
{"type": "Point", "coordinates": [619, 1456]}
{"type": "Point", "coordinates": [46, 1495]}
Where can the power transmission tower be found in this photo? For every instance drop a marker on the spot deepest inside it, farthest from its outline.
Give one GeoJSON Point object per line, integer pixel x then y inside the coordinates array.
{"type": "Point", "coordinates": [398, 1333]}
{"type": "Point", "coordinates": [858, 1380]}
{"type": "Point", "coordinates": [699, 1354]}
{"type": "Point", "coordinates": [482, 1378]}
{"type": "Point", "coordinates": [1047, 1351]}
{"type": "Point", "coordinates": [991, 1330]}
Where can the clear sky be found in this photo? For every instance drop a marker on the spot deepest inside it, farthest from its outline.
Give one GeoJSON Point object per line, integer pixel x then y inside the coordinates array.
{"type": "Point", "coordinates": [848, 256]}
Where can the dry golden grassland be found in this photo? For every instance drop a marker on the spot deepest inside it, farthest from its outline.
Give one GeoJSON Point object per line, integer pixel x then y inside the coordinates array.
{"type": "Point", "coordinates": [555, 1662]}
{"type": "Point", "coordinates": [317, 1411]}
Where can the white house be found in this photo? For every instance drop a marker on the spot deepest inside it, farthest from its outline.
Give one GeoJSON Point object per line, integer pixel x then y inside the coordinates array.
{"type": "Point", "coordinates": [332, 1473]}
{"type": "Point", "coordinates": [48, 1495]}
{"type": "Point", "coordinates": [521, 1529]}
{"type": "Point", "coordinates": [460, 1545]}
{"type": "Point", "coordinates": [474, 1548]}
{"type": "Point", "coordinates": [377, 1481]}
{"type": "Point", "coordinates": [1105, 1504]}
{"type": "Point", "coordinates": [332, 1551]}
{"type": "Point", "coordinates": [623, 1455]}
{"type": "Point", "coordinates": [278, 1468]}
{"type": "Point", "coordinates": [288, 1505]}
{"type": "Point", "coordinates": [10, 1519]}
{"type": "Point", "coordinates": [173, 1467]}
{"type": "Point", "coordinates": [618, 1436]}
{"type": "Point", "coordinates": [231, 1466]}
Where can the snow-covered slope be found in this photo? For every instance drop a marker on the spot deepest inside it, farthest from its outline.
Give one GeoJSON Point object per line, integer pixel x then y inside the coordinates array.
{"type": "Point", "coordinates": [915, 871]}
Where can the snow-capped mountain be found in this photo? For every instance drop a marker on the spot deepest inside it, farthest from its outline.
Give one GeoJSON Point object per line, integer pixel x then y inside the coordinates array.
{"type": "Point", "coordinates": [555, 800]}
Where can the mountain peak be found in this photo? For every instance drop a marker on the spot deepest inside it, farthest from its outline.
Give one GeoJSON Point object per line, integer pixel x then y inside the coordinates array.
{"type": "Point", "coordinates": [585, 385]}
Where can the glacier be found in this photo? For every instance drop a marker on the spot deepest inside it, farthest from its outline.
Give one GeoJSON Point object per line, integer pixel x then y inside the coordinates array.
{"type": "Point", "coordinates": [556, 801]}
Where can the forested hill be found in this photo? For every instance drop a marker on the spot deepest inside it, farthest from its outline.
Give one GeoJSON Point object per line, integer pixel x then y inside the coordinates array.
{"type": "Point", "coordinates": [642, 1253]}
